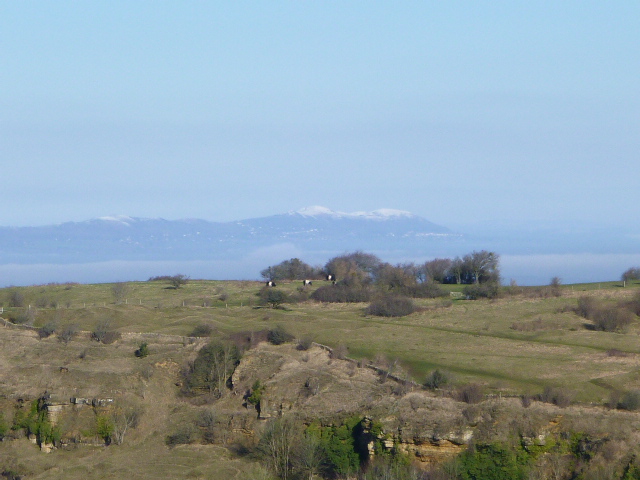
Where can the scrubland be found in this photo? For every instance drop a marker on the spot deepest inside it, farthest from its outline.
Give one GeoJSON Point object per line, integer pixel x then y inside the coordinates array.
{"type": "Point", "coordinates": [516, 349]}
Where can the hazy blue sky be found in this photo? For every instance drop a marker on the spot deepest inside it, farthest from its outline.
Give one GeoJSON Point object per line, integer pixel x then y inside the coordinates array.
{"type": "Point", "coordinates": [462, 112]}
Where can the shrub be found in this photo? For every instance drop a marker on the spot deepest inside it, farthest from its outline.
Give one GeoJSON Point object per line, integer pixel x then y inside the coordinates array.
{"type": "Point", "coordinates": [304, 343]}
{"type": "Point", "coordinates": [212, 368]}
{"type": "Point", "coordinates": [202, 330]}
{"type": "Point", "coordinates": [340, 352]}
{"type": "Point", "coordinates": [185, 435]}
{"type": "Point", "coordinates": [104, 428]}
{"type": "Point", "coordinates": [472, 393]}
{"type": "Point", "coordinates": [26, 317]}
{"type": "Point", "coordinates": [16, 299]}
{"type": "Point", "coordinates": [427, 290]}
{"type": "Point", "coordinates": [4, 427]}
{"type": "Point", "coordinates": [391, 306]}
{"type": "Point", "coordinates": [481, 290]}
{"type": "Point", "coordinates": [68, 333]}
{"type": "Point", "coordinates": [556, 396]}
{"type": "Point", "coordinates": [437, 379]}
{"type": "Point", "coordinates": [490, 462]}
{"type": "Point", "coordinates": [104, 333]}
{"type": "Point", "coordinates": [555, 287]}
{"type": "Point", "coordinates": [634, 304]}
{"type": "Point", "coordinates": [272, 297]}
{"type": "Point", "coordinates": [342, 294]}
{"type": "Point", "coordinates": [207, 421]}
{"type": "Point", "coordinates": [612, 319]}
{"type": "Point", "coordinates": [177, 281]}
{"type": "Point", "coordinates": [142, 351]}
{"type": "Point", "coordinates": [256, 393]}
{"type": "Point", "coordinates": [587, 306]}
{"type": "Point", "coordinates": [630, 400]}
{"type": "Point", "coordinates": [47, 329]}
{"type": "Point", "coordinates": [278, 335]}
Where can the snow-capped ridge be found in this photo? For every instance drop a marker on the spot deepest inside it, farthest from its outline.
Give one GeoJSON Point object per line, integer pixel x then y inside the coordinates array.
{"type": "Point", "coordinates": [380, 214]}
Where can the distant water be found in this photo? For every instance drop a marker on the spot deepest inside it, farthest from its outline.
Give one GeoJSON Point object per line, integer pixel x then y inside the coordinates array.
{"type": "Point", "coordinates": [524, 269]}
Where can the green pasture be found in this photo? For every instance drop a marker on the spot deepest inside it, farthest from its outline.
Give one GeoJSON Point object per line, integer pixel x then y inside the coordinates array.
{"type": "Point", "coordinates": [516, 344]}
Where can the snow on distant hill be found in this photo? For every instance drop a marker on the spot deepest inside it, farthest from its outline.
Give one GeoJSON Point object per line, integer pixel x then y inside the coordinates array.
{"type": "Point", "coordinates": [381, 214]}
{"type": "Point", "coordinates": [121, 237]}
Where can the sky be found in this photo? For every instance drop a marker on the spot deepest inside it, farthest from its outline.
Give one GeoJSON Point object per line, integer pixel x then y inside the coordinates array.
{"type": "Point", "coordinates": [463, 112]}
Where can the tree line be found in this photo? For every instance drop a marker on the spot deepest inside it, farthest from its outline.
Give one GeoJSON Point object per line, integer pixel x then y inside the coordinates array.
{"type": "Point", "coordinates": [360, 268]}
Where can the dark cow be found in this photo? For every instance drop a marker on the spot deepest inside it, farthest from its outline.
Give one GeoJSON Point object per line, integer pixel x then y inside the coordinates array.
{"type": "Point", "coordinates": [271, 283]}
{"type": "Point", "coordinates": [331, 277]}
{"type": "Point", "coordinates": [306, 282]}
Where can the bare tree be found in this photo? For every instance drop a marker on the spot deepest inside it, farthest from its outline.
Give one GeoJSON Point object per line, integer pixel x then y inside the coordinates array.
{"type": "Point", "coordinates": [483, 266]}
{"type": "Point", "coordinates": [457, 269]}
{"type": "Point", "coordinates": [308, 456]}
{"type": "Point", "coordinates": [178, 280]}
{"type": "Point", "coordinates": [437, 269]}
{"type": "Point", "coordinates": [124, 418]}
{"type": "Point", "coordinates": [120, 291]}
{"type": "Point", "coordinates": [277, 446]}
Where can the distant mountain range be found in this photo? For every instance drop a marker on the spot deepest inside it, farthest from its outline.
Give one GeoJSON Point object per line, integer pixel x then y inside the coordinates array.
{"type": "Point", "coordinates": [311, 229]}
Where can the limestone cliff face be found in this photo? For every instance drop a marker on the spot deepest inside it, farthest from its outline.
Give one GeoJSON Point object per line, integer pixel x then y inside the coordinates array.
{"type": "Point", "coordinates": [316, 387]}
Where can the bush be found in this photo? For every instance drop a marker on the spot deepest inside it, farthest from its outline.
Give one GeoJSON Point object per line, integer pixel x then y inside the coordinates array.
{"type": "Point", "coordinates": [185, 435]}
{"type": "Point", "coordinates": [211, 369]}
{"type": "Point", "coordinates": [278, 335]}
{"type": "Point", "coordinates": [47, 329]}
{"type": "Point", "coordinates": [587, 306]}
{"type": "Point", "coordinates": [342, 294]}
{"type": "Point", "coordinates": [178, 281]}
{"type": "Point", "coordinates": [16, 299]}
{"type": "Point", "coordinates": [391, 306]}
{"type": "Point", "coordinates": [26, 317]}
{"type": "Point", "coordinates": [4, 427]}
{"type": "Point", "coordinates": [142, 351]}
{"type": "Point", "coordinates": [272, 297]}
{"type": "Point", "coordinates": [481, 290]}
{"type": "Point", "coordinates": [630, 400]}
{"type": "Point", "coordinates": [556, 396]}
{"type": "Point", "coordinates": [202, 330]}
{"type": "Point", "coordinates": [437, 379]}
{"type": "Point", "coordinates": [207, 421]}
{"type": "Point", "coordinates": [68, 333]}
{"type": "Point", "coordinates": [427, 290]}
{"type": "Point", "coordinates": [472, 393]}
{"type": "Point", "coordinates": [490, 462]}
{"type": "Point", "coordinates": [340, 352]}
{"type": "Point", "coordinates": [612, 319]}
{"type": "Point", "coordinates": [555, 286]}
{"type": "Point", "coordinates": [103, 332]}
{"type": "Point", "coordinates": [257, 391]}
{"type": "Point", "coordinates": [304, 343]}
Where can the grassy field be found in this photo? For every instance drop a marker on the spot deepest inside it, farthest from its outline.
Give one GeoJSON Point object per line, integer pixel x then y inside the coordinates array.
{"type": "Point", "coordinates": [473, 340]}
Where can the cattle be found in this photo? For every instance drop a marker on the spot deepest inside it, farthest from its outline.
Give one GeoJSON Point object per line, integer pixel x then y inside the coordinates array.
{"type": "Point", "coordinates": [306, 282]}
{"type": "Point", "coordinates": [271, 283]}
{"type": "Point", "coordinates": [331, 278]}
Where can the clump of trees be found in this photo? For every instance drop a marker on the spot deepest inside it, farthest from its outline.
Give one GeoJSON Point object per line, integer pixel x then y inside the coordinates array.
{"type": "Point", "coordinates": [211, 370]}
{"type": "Point", "coordinates": [104, 332]}
{"type": "Point", "coordinates": [632, 273]}
{"type": "Point", "coordinates": [278, 335]}
{"type": "Point", "coordinates": [272, 297]}
{"type": "Point", "coordinates": [391, 306]}
{"type": "Point", "coordinates": [608, 317]}
{"type": "Point", "coordinates": [342, 293]}
{"type": "Point", "coordinates": [360, 276]}
{"type": "Point", "coordinates": [175, 281]}
{"type": "Point", "coordinates": [293, 269]}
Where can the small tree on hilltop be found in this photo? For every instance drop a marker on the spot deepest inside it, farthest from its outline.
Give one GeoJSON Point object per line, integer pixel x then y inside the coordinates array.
{"type": "Point", "coordinates": [272, 297]}
{"type": "Point", "coordinates": [178, 281]}
{"type": "Point", "coordinates": [120, 291]}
